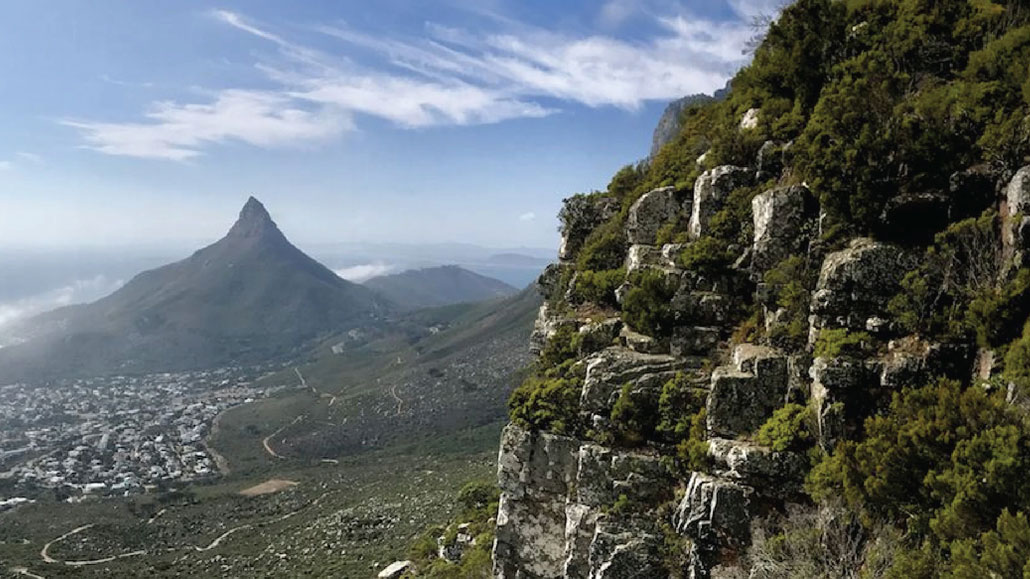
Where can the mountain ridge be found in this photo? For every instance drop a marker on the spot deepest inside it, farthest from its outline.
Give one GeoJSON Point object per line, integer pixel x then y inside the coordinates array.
{"type": "Point", "coordinates": [251, 295]}
{"type": "Point", "coordinates": [438, 286]}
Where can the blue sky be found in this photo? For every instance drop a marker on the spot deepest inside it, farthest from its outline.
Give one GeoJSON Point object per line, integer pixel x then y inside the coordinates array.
{"type": "Point", "coordinates": [129, 123]}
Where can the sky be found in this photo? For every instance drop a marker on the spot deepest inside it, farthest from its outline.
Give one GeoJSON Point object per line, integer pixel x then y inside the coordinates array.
{"type": "Point", "coordinates": [150, 123]}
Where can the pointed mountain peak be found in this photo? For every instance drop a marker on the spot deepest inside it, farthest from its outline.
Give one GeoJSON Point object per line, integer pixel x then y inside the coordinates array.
{"type": "Point", "coordinates": [254, 220]}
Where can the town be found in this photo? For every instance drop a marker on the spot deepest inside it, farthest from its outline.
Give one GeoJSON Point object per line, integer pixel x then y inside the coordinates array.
{"type": "Point", "coordinates": [116, 436]}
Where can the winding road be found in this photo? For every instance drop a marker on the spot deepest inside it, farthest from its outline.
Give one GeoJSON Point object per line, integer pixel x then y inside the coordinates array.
{"type": "Point", "coordinates": [45, 552]}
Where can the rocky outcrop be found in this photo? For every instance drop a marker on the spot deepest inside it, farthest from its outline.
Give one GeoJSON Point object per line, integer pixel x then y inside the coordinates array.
{"type": "Point", "coordinates": [554, 516]}
{"type": "Point", "coordinates": [589, 508]}
{"type": "Point", "coordinates": [855, 285]}
{"type": "Point", "coordinates": [670, 123]}
{"type": "Point", "coordinates": [609, 370]}
{"type": "Point", "coordinates": [650, 213]}
{"type": "Point", "coordinates": [579, 216]}
{"type": "Point", "coordinates": [710, 192]}
{"type": "Point", "coordinates": [745, 394]}
{"type": "Point", "coordinates": [782, 219]}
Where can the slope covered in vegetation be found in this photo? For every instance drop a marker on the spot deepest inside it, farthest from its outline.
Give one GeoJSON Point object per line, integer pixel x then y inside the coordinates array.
{"type": "Point", "coordinates": [855, 207]}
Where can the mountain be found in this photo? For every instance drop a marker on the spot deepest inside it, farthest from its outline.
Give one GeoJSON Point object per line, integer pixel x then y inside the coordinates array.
{"type": "Point", "coordinates": [669, 124]}
{"type": "Point", "coordinates": [438, 286]}
{"type": "Point", "coordinates": [250, 297]}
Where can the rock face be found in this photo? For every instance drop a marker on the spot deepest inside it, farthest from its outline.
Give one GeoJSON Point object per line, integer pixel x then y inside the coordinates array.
{"type": "Point", "coordinates": [606, 504]}
{"type": "Point", "coordinates": [780, 220]}
{"type": "Point", "coordinates": [711, 190]}
{"type": "Point", "coordinates": [650, 213]}
{"type": "Point", "coordinates": [669, 124]}
{"type": "Point", "coordinates": [579, 216]}
{"type": "Point", "coordinates": [552, 519]}
{"type": "Point", "coordinates": [745, 394]}
{"type": "Point", "coordinates": [855, 285]}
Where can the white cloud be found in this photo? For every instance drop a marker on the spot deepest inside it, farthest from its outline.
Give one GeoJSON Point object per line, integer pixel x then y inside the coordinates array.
{"type": "Point", "coordinates": [78, 291]}
{"type": "Point", "coordinates": [364, 272]}
{"type": "Point", "coordinates": [529, 216]}
{"type": "Point", "coordinates": [448, 76]}
{"type": "Point", "coordinates": [178, 131]}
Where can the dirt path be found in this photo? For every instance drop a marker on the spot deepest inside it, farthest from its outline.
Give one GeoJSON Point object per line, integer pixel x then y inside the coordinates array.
{"type": "Point", "coordinates": [25, 571]}
{"type": "Point", "coordinates": [315, 391]}
{"type": "Point", "coordinates": [400, 403]}
{"type": "Point", "coordinates": [266, 442]}
{"type": "Point", "coordinates": [45, 553]}
{"type": "Point", "coordinates": [213, 544]}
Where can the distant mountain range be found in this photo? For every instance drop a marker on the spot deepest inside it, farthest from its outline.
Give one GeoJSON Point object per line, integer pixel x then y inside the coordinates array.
{"type": "Point", "coordinates": [249, 298]}
{"type": "Point", "coordinates": [438, 286]}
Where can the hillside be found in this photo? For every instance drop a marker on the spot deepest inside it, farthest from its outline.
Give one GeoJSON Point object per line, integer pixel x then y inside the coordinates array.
{"type": "Point", "coordinates": [795, 343]}
{"type": "Point", "coordinates": [250, 297]}
{"type": "Point", "coordinates": [438, 286]}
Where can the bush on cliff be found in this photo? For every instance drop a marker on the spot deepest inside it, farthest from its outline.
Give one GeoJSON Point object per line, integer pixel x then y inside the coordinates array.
{"type": "Point", "coordinates": [943, 461]}
{"type": "Point", "coordinates": [647, 306]}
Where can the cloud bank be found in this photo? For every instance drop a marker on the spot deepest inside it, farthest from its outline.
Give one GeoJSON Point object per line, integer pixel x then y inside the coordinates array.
{"type": "Point", "coordinates": [443, 77]}
{"type": "Point", "coordinates": [76, 292]}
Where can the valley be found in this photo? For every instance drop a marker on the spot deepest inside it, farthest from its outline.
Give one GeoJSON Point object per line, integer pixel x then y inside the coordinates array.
{"type": "Point", "coordinates": [332, 465]}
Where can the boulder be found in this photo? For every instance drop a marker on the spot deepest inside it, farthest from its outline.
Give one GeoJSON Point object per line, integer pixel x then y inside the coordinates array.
{"type": "Point", "coordinates": [1017, 193]}
{"type": "Point", "coordinates": [749, 120]}
{"type": "Point", "coordinates": [640, 257]}
{"type": "Point", "coordinates": [607, 371]}
{"type": "Point", "coordinates": [597, 336]}
{"type": "Point", "coordinates": [855, 285]}
{"type": "Point", "coordinates": [778, 474]}
{"type": "Point", "coordinates": [780, 220]}
{"type": "Point", "coordinates": [535, 472]}
{"type": "Point", "coordinates": [641, 343]}
{"type": "Point", "coordinates": [746, 394]}
{"type": "Point", "coordinates": [396, 570]}
{"type": "Point", "coordinates": [715, 511]}
{"type": "Point", "coordinates": [916, 217]}
{"type": "Point", "coordinates": [650, 213]}
{"type": "Point", "coordinates": [770, 160]}
{"type": "Point", "coordinates": [619, 551]}
{"type": "Point", "coordinates": [546, 326]}
{"type": "Point", "coordinates": [710, 192]}
{"type": "Point", "coordinates": [694, 340]}
{"type": "Point", "coordinates": [579, 216]}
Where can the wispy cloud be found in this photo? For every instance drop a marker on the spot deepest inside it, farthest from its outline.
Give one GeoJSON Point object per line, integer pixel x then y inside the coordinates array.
{"type": "Point", "coordinates": [364, 272]}
{"type": "Point", "coordinates": [445, 76]}
{"type": "Point", "coordinates": [6, 165]}
{"type": "Point", "coordinates": [530, 216]}
{"type": "Point", "coordinates": [178, 131]}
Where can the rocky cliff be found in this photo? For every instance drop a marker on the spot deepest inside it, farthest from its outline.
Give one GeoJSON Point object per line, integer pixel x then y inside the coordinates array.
{"type": "Point", "coordinates": [795, 343]}
{"type": "Point", "coordinates": [582, 507]}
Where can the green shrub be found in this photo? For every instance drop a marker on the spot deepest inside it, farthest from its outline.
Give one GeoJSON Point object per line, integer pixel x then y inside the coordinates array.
{"type": "Point", "coordinates": [678, 404]}
{"type": "Point", "coordinates": [789, 428]}
{"type": "Point", "coordinates": [634, 415]}
{"type": "Point", "coordinates": [833, 343]}
{"type": "Point", "coordinates": [647, 307]}
{"type": "Point", "coordinates": [598, 287]}
{"type": "Point", "coordinates": [550, 404]}
{"type": "Point", "coordinates": [997, 315]}
{"type": "Point", "coordinates": [706, 256]}
{"type": "Point", "coordinates": [793, 281]}
{"type": "Point", "coordinates": [604, 249]}
{"type": "Point", "coordinates": [944, 460]}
